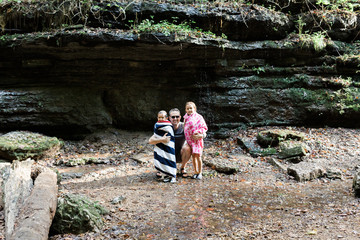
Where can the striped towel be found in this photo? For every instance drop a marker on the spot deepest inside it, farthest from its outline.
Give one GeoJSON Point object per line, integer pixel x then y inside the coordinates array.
{"type": "Point", "coordinates": [164, 153]}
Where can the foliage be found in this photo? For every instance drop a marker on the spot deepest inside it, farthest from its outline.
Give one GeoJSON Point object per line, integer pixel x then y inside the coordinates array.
{"type": "Point", "coordinates": [258, 70]}
{"type": "Point", "coordinates": [181, 30]}
{"type": "Point", "coordinates": [300, 25]}
{"type": "Point", "coordinates": [336, 4]}
{"type": "Point", "coordinates": [59, 13]}
{"type": "Point", "coordinates": [316, 40]}
{"type": "Point", "coordinates": [345, 99]}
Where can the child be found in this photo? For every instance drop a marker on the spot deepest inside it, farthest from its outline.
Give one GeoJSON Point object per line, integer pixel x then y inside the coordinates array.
{"type": "Point", "coordinates": [164, 152]}
{"type": "Point", "coordinates": [194, 123]}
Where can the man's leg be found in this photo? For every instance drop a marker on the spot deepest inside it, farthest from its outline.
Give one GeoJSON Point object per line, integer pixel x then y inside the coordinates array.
{"type": "Point", "coordinates": [185, 155]}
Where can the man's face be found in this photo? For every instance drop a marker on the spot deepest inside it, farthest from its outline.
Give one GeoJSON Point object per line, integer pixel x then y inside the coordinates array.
{"type": "Point", "coordinates": [175, 118]}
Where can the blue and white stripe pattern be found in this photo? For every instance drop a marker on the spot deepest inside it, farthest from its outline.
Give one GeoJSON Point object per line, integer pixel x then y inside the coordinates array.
{"type": "Point", "coordinates": [164, 153]}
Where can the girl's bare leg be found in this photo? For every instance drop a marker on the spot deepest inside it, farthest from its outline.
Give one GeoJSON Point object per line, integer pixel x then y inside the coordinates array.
{"type": "Point", "coordinates": [200, 164]}
{"type": "Point", "coordinates": [194, 163]}
{"type": "Point", "coordinates": [197, 160]}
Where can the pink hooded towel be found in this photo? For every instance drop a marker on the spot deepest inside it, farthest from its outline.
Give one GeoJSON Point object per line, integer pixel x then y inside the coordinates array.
{"type": "Point", "coordinates": [195, 123]}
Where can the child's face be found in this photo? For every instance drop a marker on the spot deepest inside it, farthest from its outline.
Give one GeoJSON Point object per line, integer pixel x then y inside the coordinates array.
{"type": "Point", "coordinates": [162, 117]}
{"type": "Point", "coordinates": [190, 109]}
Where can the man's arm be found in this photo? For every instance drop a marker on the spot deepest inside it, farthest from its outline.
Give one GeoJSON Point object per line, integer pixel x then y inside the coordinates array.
{"type": "Point", "coordinates": [155, 140]}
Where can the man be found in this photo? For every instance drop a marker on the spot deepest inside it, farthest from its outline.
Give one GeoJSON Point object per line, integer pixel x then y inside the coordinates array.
{"type": "Point", "coordinates": [182, 149]}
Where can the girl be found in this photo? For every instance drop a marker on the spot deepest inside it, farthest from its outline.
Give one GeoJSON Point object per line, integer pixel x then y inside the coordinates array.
{"type": "Point", "coordinates": [194, 123]}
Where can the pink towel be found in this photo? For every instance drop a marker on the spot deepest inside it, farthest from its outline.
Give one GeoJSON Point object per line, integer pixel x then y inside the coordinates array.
{"type": "Point", "coordinates": [194, 123]}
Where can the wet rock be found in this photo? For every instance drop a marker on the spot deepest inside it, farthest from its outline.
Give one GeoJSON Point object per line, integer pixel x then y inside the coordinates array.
{"type": "Point", "coordinates": [340, 25]}
{"type": "Point", "coordinates": [292, 150]}
{"type": "Point", "coordinates": [277, 164]}
{"type": "Point", "coordinates": [222, 165]}
{"type": "Point", "coordinates": [356, 184]}
{"type": "Point", "coordinates": [212, 75]}
{"type": "Point", "coordinates": [263, 152]}
{"type": "Point", "coordinates": [295, 159]}
{"type": "Point", "coordinates": [222, 134]}
{"type": "Point", "coordinates": [118, 200]}
{"type": "Point", "coordinates": [77, 214]}
{"type": "Point", "coordinates": [333, 173]}
{"type": "Point", "coordinates": [247, 144]}
{"type": "Point", "coordinates": [306, 171]}
{"type": "Point", "coordinates": [250, 146]}
{"type": "Point", "coordinates": [144, 157]}
{"type": "Point", "coordinates": [20, 145]}
{"type": "Point", "coordinates": [81, 161]}
{"type": "Point", "coordinates": [274, 137]}
{"type": "Point", "coordinates": [230, 165]}
{"type": "Point", "coordinates": [81, 109]}
{"type": "Point", "coordinates": [71, 175]}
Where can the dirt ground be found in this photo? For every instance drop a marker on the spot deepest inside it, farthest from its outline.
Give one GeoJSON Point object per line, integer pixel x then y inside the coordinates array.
{"type": "Point", "coordinates": [259, 202]}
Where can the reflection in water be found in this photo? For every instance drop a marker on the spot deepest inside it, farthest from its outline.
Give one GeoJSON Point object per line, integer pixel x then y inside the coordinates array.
{"type": "Point", "coordinates": [243, 206]}
{"type": "Point", "coordinates": [218, 208]}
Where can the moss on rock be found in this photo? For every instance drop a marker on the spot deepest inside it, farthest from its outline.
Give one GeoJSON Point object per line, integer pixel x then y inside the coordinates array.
{"type": "Point", "coordinates": [290, 149]}
{"type": "Point", "coordinates": [273, 137]}
{"type": "Point", "coordinates": [20, 145]}
{"type": "Point", "coordinates": [77, 214]}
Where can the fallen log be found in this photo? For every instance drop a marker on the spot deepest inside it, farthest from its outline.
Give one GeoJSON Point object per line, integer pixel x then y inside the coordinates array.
{"type": "Point", "coordinates": [4, 174]}
{"type": "Point", "coordinates": [17, 188]}
{"type": "Point", "coordinates": [36, 215]}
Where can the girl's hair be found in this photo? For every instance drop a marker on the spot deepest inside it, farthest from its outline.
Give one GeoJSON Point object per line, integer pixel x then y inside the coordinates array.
{"type": "Point", "coordinates": [191, 103]}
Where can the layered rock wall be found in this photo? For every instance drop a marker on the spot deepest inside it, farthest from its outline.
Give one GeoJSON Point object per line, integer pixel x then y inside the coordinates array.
{"type": "Point", "coordinates": [74, 81]}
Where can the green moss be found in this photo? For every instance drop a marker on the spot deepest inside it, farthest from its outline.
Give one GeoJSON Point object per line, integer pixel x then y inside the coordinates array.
{"type": "Point", "coordinates": [288, 82]}
{"type": "Point", "coordinates": [345, 100]}
{"type": "Point", "coordinates": [20, 145]}
{"type": "Point", "coordinates": [302, 95]}
{"type": "Point", "coordinates": [77, 214]}
{"type": "Point", "coordinates": [274, 137]}
{"type": "Point", "coordinates": [271, 44]}
{"type": "Point", "coordinates": [263, 152]}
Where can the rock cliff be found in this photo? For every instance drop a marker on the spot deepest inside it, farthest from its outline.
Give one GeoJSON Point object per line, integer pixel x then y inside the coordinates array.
{"type": "Point", "coordinates": [76, 79]}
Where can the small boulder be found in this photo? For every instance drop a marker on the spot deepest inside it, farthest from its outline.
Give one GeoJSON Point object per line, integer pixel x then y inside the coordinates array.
{"type": "Point", "coordinates": [72, 162]}
{"type": "Point", "coordinates": [77, 214]}
{"type": "Point", "coordinates": [228, 165]}
{"type": "Point", "coordinates": [306, 171]}
{"type": "Point", "coordinates": [275, 136]}
{"type": "Point", "coordinates": [246, 143]}
{"type": "Point", "coordinates": [222, 134]}
{"type": "Point", "coordinates": [334, 173]}
{"type": "Point", "coordinates": [118, 200]}
{"type": "Point", "coordinates": [144, 157]}
{"type": "Point", "coordinates": [292, 150]}
{"type": "Point", "coordinates": [20, 145]}
{"type": "Point", "coordinates": [356, 184]}
{"type": "Point", "coordinates": [250, 146]}
{"type": "Point", "coordinates": [222, 165]}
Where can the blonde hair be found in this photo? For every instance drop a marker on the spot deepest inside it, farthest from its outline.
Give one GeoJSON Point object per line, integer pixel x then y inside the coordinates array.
{"type": "Point", "coordinates": [191, 103]}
